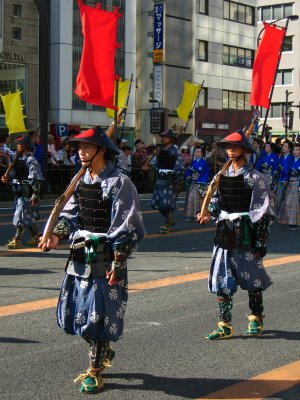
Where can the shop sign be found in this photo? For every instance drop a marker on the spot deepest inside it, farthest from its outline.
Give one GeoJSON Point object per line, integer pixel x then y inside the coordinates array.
{"type": "Point", "coordinates": [8, 56]}
{"type": "Point", "coordinates": [158, 51]}
{"type": "Point", "coordinates": [210, 125]}
{"type": "Point", "coordinates": [157, 120]}
{"type": "Point", "coordinates": [158, 84]}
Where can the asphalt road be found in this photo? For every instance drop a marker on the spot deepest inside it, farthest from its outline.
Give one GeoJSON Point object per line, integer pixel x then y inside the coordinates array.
{"type": "Point", "coordinates": [164, 353]}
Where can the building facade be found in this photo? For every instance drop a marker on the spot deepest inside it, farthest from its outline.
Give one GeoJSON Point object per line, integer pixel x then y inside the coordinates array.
{"type": "Point", "coordinates": [19, 57]}
{"type": "Point", "coordinates": [65, 53]}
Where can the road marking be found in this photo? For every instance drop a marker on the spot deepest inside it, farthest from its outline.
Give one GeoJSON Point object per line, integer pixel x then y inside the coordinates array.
{"type": "Point", "coordinates": [47, 212]}
{"type": "Point", "coordinates": [261, 386]}
{"type": "Point", "coordinates": [135, 287]}
{"type": "Point", "coordinates": [148, 236]}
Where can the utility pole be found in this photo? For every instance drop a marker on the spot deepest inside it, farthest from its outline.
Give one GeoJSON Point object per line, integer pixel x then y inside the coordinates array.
{"type": "Point", "coordinates": [43, 10]}
{"type": "Point", "coordinates": [287, 93]}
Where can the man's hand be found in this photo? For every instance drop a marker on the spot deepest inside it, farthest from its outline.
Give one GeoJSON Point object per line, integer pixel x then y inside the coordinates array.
{"type": "Point", "coordinates": [51, 243]}
{"type": "Point", "coordinates": [111, 277]}
{"type": "Point", "coordinates": [4, 179]}
{"type": "Point", "coordinates": [203, 220]}
{"type": "Point", "coordinates": [34, 201]}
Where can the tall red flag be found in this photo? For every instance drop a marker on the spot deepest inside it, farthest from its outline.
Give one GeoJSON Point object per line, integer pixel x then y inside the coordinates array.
{"type": "Point", "coordinates": [265, 65]}
{"type": "Point", "coordinates": [95, 80]}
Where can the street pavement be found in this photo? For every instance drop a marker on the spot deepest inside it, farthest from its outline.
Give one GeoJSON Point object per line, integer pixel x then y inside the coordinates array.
{"type": "Point", "coordinates": [164, 353]}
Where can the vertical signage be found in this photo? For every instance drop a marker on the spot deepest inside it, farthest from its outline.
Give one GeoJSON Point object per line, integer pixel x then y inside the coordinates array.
{"type": "Point", "coordinates": [158, 51]}
{"type": "Point", "coordinates": [158, 84]}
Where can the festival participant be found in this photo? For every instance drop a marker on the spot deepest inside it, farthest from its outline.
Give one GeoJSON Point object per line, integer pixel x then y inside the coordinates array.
{"type": "Point", "coordinates": [197, 178]}
{"type": "Point", "coordinates": [269, 163]}
{"type": "Point", "coordinates": [281, 175]}
{"type": "Point", "coordinates": [104, 221]}
{"type": "Point", "coordinates": [243, 207]}
{"type": "Point", "coordinates": [289, 213]}
{"type": "Point", "coordinates": [27, 179]}
{"type": "Point", "coordinates": [170, 172]}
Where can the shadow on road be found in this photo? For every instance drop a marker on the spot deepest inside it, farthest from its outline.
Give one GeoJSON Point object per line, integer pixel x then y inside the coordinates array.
{"type": "Point", "coordinates": [16, 340]}
{"type": "Point", "coordinates": [24, 271]}
{"type": "Point", "coordinates": [193, 388]}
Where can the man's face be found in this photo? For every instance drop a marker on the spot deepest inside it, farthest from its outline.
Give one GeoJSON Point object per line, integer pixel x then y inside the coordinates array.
{"type": "Point", "coordinates": [34, 138]}
{"type": "Point", "coordinates": [166, 140]}
{"type": "Point", "coordinates": [268, 148]}
{"type": "Point", "coordinates": [255, 145]}
{"type": "Point", "coordinates": [20, 148]}
{"type": "Point", "coordinates": [285, 147]}
{"type": "Point", "coordinates": [296, 151]}
{"type": "Point", "coordinates": [234, 151]}
{"type": "Point", "coordinates": [86, 152]}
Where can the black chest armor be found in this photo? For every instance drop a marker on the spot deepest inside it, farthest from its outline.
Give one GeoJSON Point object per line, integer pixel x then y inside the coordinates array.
{"type": "Point", "coordinates": [21, 170]}
{"type": "Point", "coordinates": [165, 160]}
{"type": "Point", "coordinates": [95, 212]}
{"type": "Point", "coordinates": [235, 196]}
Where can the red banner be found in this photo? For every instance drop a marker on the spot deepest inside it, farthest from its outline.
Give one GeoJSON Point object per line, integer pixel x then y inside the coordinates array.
{"type": "Point", "coordinates": [265, 65]}
{"type": "Point", "coordinates": [95, 81]}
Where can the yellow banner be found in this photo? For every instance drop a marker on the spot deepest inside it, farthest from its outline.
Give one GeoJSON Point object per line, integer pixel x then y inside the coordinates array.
{"type": "Point", "coordinates": [14, 118]}
{"type": "Point", "coordinates": [122, 97]}
{"type": "Point", "coordinates": [190, 94]}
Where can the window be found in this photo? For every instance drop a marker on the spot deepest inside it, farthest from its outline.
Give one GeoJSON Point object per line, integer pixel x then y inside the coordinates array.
{"type": "Point", "coordinates": [16, 33]}
{"type": "Point", "coordinates": [236, 100]}
{"type": "Point", "coordinates": [237, 56]}
{"type": "Point", "coordinates": [287, 44]}
{"type": "Point", "coordinates": [202, 99]}
{"type": "Point", "coordinates": [284, 77]}
{"type": "Point", "coordinates": [238, 12]}
{"type": "Point", "coordinates": [17, 10]}
{"type": "Point", "coordinates": [13, 77]}
{"type": "Point", "coordinates": [202, 50]}
{"type": "Point", "coordinates": [277, 110]}
{"type": "Point", "coordinates": [278, 11]}
{"type": "Point", "coordinates": [202, 6]}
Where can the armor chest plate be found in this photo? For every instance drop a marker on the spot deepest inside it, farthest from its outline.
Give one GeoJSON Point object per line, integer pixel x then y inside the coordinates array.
{"type": "Point", "coordinates": [235, 195]}
{"type": "Point", "coordinates": [94, 212]}
{"type": "Point", "coordinates": [21, 170]}
{"type": "Point", "coordinates": [165, 160]}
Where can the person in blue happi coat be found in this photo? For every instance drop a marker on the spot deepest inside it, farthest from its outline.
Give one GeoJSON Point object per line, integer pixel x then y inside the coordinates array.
{"type": "Point", "coordinates": [197, 176]}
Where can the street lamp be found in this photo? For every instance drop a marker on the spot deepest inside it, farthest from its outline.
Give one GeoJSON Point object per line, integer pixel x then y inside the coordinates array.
{"type": "Point", "coordinates": [153, 101]}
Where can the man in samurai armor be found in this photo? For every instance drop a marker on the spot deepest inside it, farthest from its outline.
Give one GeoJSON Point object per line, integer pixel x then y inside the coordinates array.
{"type": "Point", "coordinates": [268, 163]}
{"type": "Point", "coordinates": [104, 222]}
{"type": "Point", "coordinates": [26, 182]}
{"type": "Point", "coordinates": [289, 213]}
{"type": "Point", "coordinates": [197, 176]}
{"type": "Point", "coordinates": [281, 175]}
{"type": "Point", "coordinates": [170, 173]}
{"type": "Point", "coordinates": [243, 207]}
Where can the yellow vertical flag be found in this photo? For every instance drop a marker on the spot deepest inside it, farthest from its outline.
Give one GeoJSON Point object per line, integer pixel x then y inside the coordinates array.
{"type": "Point", "coordinates": [122, 97]}
{"type": "Point", "coordinates": [190, 94]}
{"type": "Point", "coordinates": [14, 118]}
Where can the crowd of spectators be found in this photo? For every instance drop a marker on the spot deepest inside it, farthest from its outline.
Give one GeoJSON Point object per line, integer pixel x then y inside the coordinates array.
{"type": "Point", "coordinates": [137, 162]}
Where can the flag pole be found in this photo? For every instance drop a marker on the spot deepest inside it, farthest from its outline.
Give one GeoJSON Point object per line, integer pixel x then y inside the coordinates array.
{"type": "Point", "coordinates": [126, 105]}
{"type": "Point", "coordinates": [191, 112]}
{"type": "Point", "coordinates": [272, 88]}
{"type": "Point", "coordinates": [116, 111]}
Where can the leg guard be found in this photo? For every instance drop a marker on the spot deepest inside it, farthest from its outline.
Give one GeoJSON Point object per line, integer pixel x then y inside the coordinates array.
{"type": "Point", "coordinates": [224, 330]}
{"type": "Point", "coordinates": [15, 242]}
{"type": "Point", "coordinates": [92, 381]}
{"type": "Point", "coordinates": [34, 236]}
{"type": "Point", "coordinates": [255, 326]}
